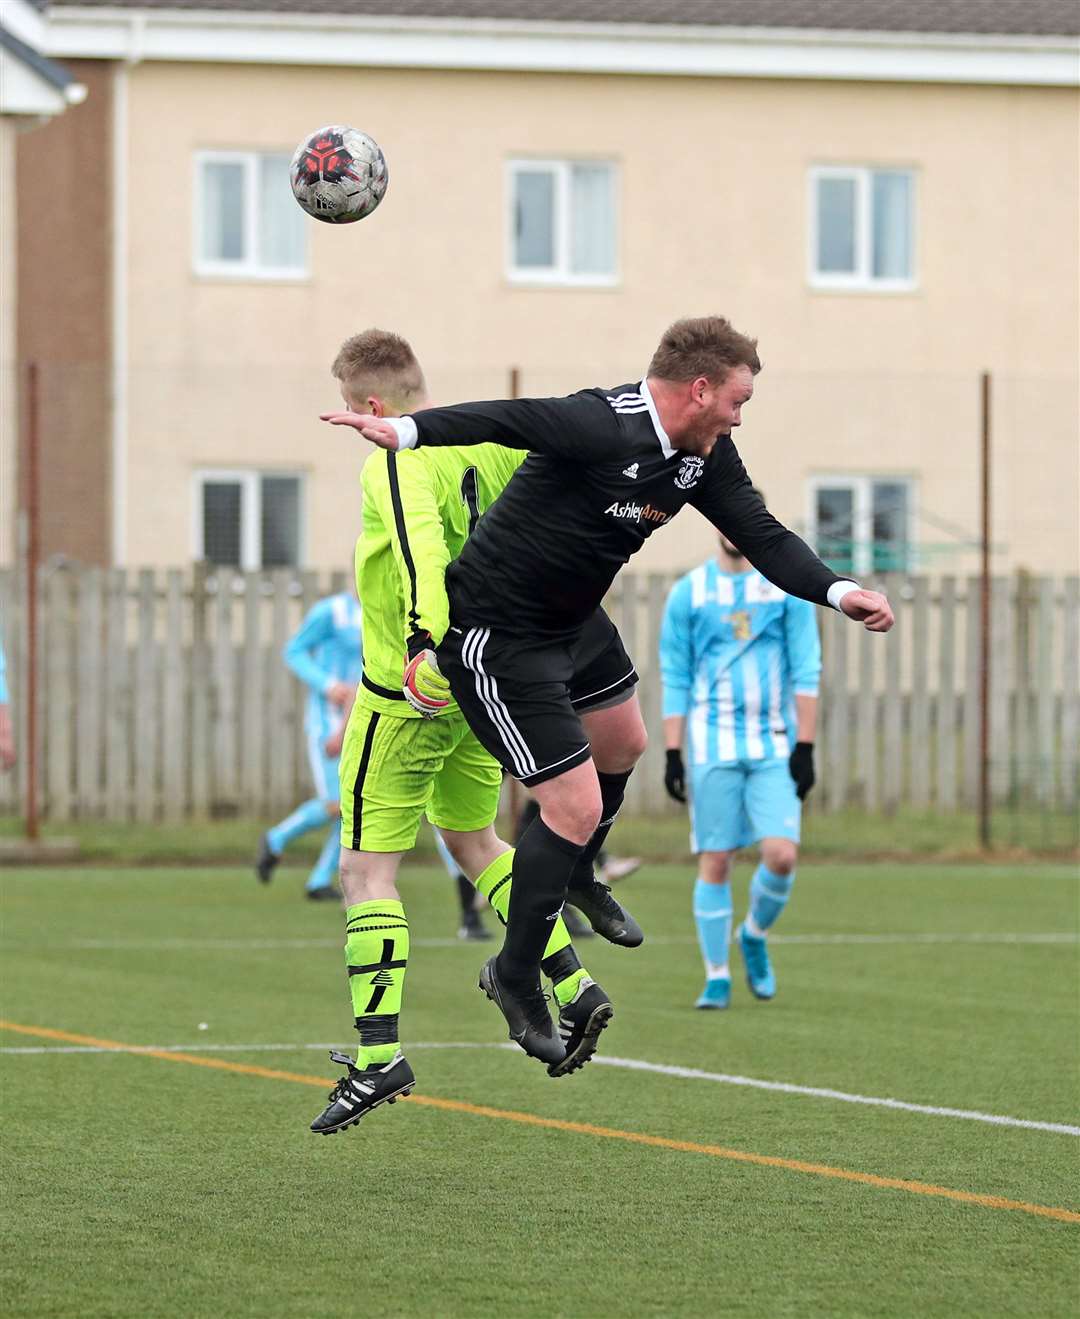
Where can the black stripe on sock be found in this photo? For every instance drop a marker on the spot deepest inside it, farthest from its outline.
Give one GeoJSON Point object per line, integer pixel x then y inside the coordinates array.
{"type": "Point", "coordinates": [403, 538]}
{"type": "Point", "coordinates": [561, 965]}
{"type": "Point", "coordinates": [378, 1030]}
{"type": "Point", "coordinates": [358, 785]}
{"type": "Point", "coordinates": [377, 966]}
{"type": "Point", "coordinates": [500, 885]}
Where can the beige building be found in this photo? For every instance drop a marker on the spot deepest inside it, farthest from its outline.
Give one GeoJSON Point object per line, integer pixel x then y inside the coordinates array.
{"type": "Point", "coordinates": [33, 90]}
{"type": "Point", "coordinates": [890, 210]}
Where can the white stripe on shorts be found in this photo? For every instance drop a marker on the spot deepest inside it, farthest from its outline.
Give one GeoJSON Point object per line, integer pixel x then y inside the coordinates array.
{"type": "Point", "coordinates": [488, 692]}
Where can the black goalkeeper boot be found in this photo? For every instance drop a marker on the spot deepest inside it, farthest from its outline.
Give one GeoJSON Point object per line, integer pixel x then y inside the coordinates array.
{"type": "Point", "coordinates": [361, 1090]}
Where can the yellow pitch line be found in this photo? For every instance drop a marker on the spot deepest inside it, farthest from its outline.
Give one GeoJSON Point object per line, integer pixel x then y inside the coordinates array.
{"type": "Point", "coordinates": [578, 1128]}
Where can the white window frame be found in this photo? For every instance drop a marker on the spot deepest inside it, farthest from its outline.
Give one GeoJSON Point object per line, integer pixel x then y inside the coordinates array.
{"type": "Point", "coordinates": [862, 516]}
{"type": "Point", "coordinates": [250, 482]}
{"type": "Point", "coordinates": [861, 279]}
{"type": "Point", "coordinates": [249, 267]}
{"type": "Point", "coordinates": [560, 272]}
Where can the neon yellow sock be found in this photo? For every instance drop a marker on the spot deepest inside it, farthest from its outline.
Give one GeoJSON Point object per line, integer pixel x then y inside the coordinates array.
{"type": "Point", "coordinates": [564, 990]}
{"type": "Point", "coordinates": [560, 962]}
{"type": "Point", "coordinates": [376, 956]}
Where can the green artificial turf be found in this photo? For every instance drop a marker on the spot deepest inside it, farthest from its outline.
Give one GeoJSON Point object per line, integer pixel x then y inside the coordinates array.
{"type": "Point", "coordinates": [135, 1186]}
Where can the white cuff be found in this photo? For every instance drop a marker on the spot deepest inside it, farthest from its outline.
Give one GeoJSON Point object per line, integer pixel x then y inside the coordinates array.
{"type": "Point", "coordinates": [405, 429]}
{"type": "Point", "coordinates": [838, 590]}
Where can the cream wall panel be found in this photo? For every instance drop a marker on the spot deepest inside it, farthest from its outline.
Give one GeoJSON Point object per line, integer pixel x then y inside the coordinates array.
{"type": "Point", "coordinates": [714, 212]}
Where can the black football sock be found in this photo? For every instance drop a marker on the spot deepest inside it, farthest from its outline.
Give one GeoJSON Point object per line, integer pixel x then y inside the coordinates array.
{"type": "Point", "coordinates": [542, 863]}
{"type": "Point", "coordinates": [612, 791]}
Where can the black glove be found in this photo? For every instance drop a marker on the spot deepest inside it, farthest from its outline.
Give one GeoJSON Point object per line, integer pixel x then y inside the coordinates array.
{"type": "Point", "coordinates": [801, 766]}
{"type": "Point", "coordinates": [675, 776]}
{"type": "Point", "coordinates": [418, 643]}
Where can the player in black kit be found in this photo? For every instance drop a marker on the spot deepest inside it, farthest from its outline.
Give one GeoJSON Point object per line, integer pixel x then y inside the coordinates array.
{"type": "Point", "coordinates": [606, 468]}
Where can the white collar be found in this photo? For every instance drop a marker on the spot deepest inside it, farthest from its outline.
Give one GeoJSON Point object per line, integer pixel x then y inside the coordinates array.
{"type": "Point", "coordinates": [665, 444]}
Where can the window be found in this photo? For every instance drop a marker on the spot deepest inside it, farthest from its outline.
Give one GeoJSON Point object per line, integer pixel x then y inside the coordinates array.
{"type": "Point", "coordinates": [562, 221]}
{"type": "Point", "coordinates": [247, 222]}
{"type": "Point", "coordinates": [247, 520]}
{"type": "Point", "coordinates": [862, 524]}
{"type": "Point", "coordinates": [862, 228]}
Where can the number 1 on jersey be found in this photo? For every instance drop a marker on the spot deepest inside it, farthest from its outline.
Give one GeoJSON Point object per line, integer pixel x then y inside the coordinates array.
{"type": "Point", "coordinates": [470, 496]}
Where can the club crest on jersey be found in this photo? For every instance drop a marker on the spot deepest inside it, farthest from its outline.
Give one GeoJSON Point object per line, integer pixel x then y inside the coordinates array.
{"type": "Point", "coordinates": [689, 473]}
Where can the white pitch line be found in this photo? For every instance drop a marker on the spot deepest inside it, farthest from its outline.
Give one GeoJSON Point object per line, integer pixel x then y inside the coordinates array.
{"type": "Point", "coordinates": [626, 1064]}
{"type": "Point", "coordinates": [807, 940]}
{"type": "Point", "coordinates": [817, 1092]}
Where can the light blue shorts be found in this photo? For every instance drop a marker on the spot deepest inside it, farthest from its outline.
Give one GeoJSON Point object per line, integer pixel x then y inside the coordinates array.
{"type": "Point", "coordinates": [740, 802]}
{"type": "Point", "coordinates": [324, 769]}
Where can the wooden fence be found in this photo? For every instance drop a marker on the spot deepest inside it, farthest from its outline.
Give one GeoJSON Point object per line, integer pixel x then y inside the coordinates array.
{"type": "Point", "coordinates": [162, 694]}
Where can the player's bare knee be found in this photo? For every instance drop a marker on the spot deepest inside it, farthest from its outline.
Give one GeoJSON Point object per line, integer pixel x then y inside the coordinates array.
{"type": "Point", "coordinates": [573, 817]}
{"type": "Point", "coordinates": [779, 855]}
{"type": "Point", "coordinates": [715, 867]}
{"type": "Point", "coordinates": [634, 747]}
{"type": "Point", "coordinates": [368, 876]}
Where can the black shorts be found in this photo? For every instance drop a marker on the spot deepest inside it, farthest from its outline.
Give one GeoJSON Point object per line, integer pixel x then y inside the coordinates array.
{"type": "Point", "coordinates": [524, 698]}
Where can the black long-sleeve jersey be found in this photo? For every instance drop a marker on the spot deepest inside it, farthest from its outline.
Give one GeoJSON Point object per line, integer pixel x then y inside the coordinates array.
{"type": "Point", "coordinates": [600, 478]}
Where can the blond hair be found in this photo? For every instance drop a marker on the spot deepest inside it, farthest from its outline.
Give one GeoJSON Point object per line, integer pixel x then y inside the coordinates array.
{"type": "Point", "coordinates": [707, 346]}
{"type": "Point", "coordinates": [380, 364]}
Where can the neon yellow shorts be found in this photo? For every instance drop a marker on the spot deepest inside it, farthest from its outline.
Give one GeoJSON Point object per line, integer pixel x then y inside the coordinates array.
{"type": "Point", "coordinates": [394, 771]}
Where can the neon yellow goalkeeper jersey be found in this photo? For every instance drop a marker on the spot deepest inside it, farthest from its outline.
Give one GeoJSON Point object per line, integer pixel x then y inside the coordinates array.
{"type": "Point", "coordinates": [419, 509]}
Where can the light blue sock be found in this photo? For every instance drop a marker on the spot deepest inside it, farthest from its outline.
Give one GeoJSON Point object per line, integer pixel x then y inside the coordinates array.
{"type": "Point", "coordinates": [326, 866]}
{"type": "Point", "coordinates": [312, 815]}
{"type": "Point", "coordinates": [768, 898]}
{"type": "Point", "coordinates": [712, 914]}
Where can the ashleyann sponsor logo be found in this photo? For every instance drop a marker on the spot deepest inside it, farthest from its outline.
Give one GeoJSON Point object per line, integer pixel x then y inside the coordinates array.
{"type": "Point", "coordinates": [631, 512]}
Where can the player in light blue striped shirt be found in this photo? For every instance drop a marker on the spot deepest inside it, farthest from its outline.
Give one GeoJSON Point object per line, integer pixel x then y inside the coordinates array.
{"type": "Point", "coordinates": [740, 662]}
{"type": "Point", "coordinates": [325, 653]}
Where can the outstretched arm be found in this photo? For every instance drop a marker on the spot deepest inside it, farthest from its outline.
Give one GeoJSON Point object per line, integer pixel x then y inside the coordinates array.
{"type": "Point", "coordinates": [732, 505]}
{"type": "Point", "coordinates": [580, 428]}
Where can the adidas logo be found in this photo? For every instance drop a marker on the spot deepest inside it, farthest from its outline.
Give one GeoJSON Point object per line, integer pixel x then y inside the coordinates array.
{"type": "Point", "coordinates": [631, 471]}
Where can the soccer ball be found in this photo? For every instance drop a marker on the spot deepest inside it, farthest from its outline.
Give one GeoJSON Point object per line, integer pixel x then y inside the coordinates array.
{"type": "Point", "coordinates": [338, 174]}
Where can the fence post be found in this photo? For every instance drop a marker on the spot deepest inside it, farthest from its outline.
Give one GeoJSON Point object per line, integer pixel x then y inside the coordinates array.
{"type": "Point", "coordinates": [175, 726]}
{"type": "Point", "coordinates": [57, 692]}
{"type": "Point", "coordinates": [1003, 648]}
{"type": "Point", "coordinates": [946, 701]}
{"type": "Point", "coordinates": [973, 701]}
{"type": "Point", "coordinates": [919, 726]}
{"type": "Point", "coordinates": [866, 732]}
{"type": "Point", "coordinates": [252, 762]}
{"type": "Point", "coordinates": [225, 741]}
{"type": "Point", "coordinates": [199, 700]}
{"type": "Point", "coordinates": [836, 707]}
{"type": "Point", "coordinates": [147, 718]}
{"type": "Point", "coordinates": [118, 700]}
{"type": "Point", "coordinates": [1044, 691]}
{"type": "Point", "coordinates": [91, 686]}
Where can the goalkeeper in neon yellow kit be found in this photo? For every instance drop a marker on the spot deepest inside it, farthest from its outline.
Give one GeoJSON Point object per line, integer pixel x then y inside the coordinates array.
{"type": "Point", "coordinates": [408, 750]}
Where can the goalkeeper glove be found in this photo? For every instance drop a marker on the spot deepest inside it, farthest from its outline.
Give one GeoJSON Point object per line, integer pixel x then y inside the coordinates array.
{"type": "Point", "coordinates": [426, 690]}
{"type": "Point", "coordinates": [801, 767]}
{"type": "Point", "coordinates": [675, 775]}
